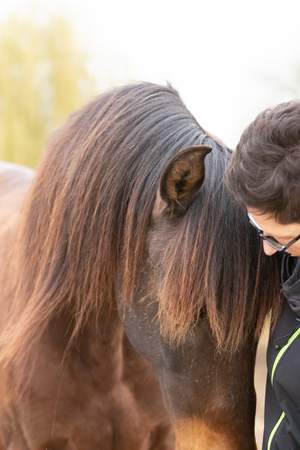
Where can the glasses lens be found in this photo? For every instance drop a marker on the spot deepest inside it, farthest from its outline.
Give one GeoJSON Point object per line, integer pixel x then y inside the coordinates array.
{"type": "Point", "coordinates": [276, 245]}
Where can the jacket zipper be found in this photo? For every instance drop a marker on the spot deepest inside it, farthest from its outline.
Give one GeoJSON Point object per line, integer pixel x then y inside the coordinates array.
{"type": "Point", "coordinates": [275, 428]}
{"type": "Point", "coordinates": [275, 364]}
{"type": "Point", "coordinates": [282, 352]}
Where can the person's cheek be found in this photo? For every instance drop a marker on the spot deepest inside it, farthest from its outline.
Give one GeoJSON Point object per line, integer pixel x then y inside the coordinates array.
{"type": "Point", "coordinates": [268, 249]}
{"type": "Point", "coordinates": [297, 252]}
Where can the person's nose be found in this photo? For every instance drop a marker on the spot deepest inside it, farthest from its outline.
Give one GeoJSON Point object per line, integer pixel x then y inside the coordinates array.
{"type": "Point", "coordinates": [268, 249]}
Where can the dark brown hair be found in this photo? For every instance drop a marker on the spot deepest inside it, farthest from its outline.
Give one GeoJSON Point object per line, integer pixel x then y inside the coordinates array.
{"type": "Point", "coordinates": [264, 172]}
{"type": "Point", "coordinates": [87, 218]}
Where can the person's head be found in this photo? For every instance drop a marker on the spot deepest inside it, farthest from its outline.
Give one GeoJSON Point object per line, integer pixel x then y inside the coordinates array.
{"type": "Point", "coordinates": [264, 176]}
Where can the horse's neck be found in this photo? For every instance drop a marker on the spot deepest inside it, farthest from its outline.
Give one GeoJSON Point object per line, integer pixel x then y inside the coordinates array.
{"type": "Point", "coordinates": [97, 352]}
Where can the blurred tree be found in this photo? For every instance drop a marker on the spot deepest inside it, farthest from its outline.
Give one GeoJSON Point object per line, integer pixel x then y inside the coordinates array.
{"type": "Point", "coordinates": [43, 77]}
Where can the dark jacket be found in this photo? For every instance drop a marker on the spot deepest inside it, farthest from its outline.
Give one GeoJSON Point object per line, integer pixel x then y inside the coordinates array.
{"type": "Point", "coordinates": [282, 406]}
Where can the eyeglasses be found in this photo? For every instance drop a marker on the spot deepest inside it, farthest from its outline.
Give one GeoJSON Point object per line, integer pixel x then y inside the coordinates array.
{"type": "Point", "coordinates": [269, 239]}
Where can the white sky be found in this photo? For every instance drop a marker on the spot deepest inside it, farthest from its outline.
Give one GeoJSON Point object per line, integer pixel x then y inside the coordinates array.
{"type": "Point", "coordinates": [228, 59]}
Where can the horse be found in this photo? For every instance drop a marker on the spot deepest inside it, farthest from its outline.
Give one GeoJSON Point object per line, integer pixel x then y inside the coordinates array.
{"type": "Point", "coordinates": [133, 290]}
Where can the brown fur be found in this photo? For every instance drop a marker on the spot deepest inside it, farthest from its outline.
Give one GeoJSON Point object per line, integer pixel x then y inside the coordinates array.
{"type": "Point", "coordinates": [72, 401]}
{"type": "Point", "coordinates": [87, 236]}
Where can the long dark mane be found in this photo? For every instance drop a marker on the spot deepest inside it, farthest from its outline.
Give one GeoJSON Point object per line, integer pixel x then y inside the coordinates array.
{"type": "Point", "coordinates": [87, 217]}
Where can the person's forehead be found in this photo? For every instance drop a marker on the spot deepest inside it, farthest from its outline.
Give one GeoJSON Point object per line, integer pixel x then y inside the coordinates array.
{"type": "Point", "coordinates": [271, 227]}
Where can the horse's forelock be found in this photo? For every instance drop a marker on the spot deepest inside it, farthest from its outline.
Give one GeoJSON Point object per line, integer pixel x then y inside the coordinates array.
{"type": "Point", "coordinates": [87, 214]}
{"type": "Point", "coordinates": [87, 219]}
{"type": "Point", "coordinates": [214, 265]}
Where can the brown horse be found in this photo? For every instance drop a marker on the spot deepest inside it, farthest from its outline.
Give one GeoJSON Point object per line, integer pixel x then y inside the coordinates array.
{"type": "Point", "coordinates": [126, 233]}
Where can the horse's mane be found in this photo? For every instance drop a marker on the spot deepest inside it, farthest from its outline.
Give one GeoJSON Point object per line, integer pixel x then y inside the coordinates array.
{"type": "Point", "coordinates": [87, 217]}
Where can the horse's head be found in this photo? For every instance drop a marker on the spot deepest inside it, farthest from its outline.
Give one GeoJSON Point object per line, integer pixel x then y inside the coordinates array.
{"type": "Point", "coordinates": [201, 301]}
{"type": "Point", "coordinates": [129, 204]}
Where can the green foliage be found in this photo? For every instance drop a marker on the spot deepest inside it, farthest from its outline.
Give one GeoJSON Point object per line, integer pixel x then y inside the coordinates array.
{"type": "Point", "coordinates": [43, 77]}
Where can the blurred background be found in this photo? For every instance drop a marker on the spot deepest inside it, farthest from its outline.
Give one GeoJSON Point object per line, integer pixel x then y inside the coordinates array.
{"type": "Point", "coordinates": [229, 60]}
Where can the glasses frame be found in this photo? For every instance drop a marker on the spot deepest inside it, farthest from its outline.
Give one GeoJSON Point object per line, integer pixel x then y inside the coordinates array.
{"type": "Point", "coordinates": [269, 239]}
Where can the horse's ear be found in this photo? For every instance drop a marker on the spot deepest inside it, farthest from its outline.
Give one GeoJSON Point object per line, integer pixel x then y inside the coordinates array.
{"type": "Point", "coordinates": [183, 177]}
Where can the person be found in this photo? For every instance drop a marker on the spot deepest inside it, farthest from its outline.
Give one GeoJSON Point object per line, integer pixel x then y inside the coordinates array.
{"type": "Point", "coordinates": [264, 178]}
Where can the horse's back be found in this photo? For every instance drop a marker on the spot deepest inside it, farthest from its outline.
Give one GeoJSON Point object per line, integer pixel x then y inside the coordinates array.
{"type": "Point", "coordinates": [14, 182]}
